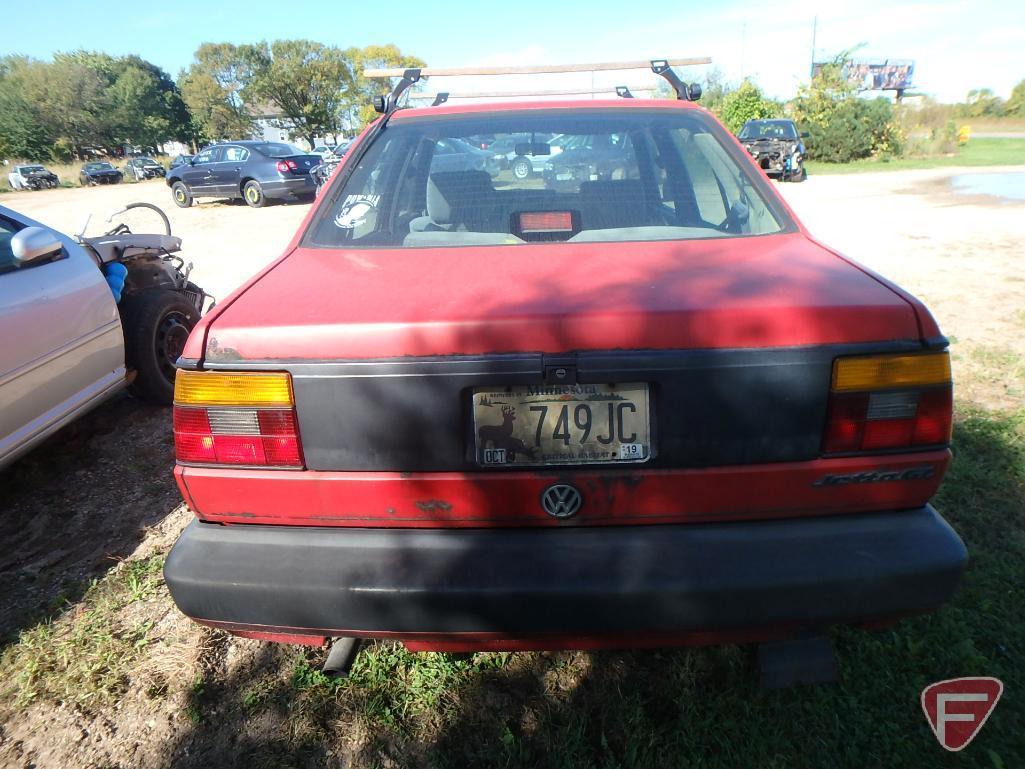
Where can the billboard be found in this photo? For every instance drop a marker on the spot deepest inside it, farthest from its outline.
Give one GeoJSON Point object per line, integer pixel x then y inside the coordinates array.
{"type": "Point", "coordinates": [878, 74]}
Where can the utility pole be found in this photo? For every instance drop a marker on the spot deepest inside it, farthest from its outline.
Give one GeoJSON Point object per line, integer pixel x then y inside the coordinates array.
{"type": "Point", "coordinates": [814, 29]}
{"type": "Point", "coordinates": [743, 45]}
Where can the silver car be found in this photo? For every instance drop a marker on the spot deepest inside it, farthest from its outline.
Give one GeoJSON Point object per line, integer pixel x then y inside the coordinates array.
{"type": "Point", "coordinates": [79, 320]}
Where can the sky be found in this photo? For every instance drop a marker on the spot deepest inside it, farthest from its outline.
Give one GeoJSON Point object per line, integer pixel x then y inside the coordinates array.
{"type": "Point", "coordinates": [957, 45]}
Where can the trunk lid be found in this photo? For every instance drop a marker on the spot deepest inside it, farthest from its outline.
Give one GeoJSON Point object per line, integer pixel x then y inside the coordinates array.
{"type": "Point", "coordinates": [755, 292]}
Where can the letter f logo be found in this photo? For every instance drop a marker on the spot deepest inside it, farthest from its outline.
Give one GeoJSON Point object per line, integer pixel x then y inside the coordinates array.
{"type": "Point", "coordinates": [957, 708]}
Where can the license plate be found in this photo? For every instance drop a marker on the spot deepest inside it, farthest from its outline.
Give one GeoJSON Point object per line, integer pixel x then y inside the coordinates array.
{"type": "Point", "coordinates": [564, 177]}
{"type": "Point", "coordinates": [561, 424]}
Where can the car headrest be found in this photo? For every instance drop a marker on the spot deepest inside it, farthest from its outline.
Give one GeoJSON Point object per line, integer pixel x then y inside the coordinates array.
{"type": "Point", "coordinates": [451, 193]}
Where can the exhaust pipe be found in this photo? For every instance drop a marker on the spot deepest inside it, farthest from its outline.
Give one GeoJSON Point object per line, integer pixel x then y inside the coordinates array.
{"type": "Point", "coordinates": [340, 658]}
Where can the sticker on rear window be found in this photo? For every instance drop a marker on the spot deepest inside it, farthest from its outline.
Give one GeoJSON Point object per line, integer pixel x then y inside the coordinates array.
{"type": "Point", "coordinates": [355, 210]}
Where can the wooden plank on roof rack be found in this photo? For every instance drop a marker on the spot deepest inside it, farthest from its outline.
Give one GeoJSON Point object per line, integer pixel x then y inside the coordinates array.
{"type": "Point", "coordinates": [540, 69]}
{"type": "Point", "coordinates": [497, 94]}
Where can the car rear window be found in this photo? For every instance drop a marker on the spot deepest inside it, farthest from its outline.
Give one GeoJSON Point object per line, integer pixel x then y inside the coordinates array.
{"type": "Point", "coordinates": [776, 129]}
{"type": "Point", "coordinates": [546, 176]}
{"type": "Point", "coordinates": [277, 149]}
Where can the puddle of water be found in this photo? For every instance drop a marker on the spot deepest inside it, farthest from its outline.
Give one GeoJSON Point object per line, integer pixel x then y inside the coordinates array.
{"type": "Point", "coordinates": [1010, 186]}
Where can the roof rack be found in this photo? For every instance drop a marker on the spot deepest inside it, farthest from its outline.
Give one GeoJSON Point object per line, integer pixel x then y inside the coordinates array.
{"type": "Point", "coordinates": [387, 104]}
{"type": "Point", "coordinates": [443, 96]}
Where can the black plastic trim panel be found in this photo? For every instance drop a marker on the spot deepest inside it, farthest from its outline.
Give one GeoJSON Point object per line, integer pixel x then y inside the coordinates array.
{"type": "Point", "coordinates": [586, 580]}
{"type": "Point", "coordinates": [713, 407]}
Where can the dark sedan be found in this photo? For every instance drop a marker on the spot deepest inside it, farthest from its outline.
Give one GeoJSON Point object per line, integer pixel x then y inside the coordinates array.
{"type": "Point", "coordinates": [100, 172]}
{"type": "Point", "coordinates": [256, 171]}
{"type": "Point", "coordinates": [458, 155]}
{"type": "Point", "coordinates": [587, 158]}
{"type": "Point", "coordinates": [143, 168]}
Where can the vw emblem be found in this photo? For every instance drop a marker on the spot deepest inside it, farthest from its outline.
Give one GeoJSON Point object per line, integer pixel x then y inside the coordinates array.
{"type": "Point", "coordinates": [561, 500]}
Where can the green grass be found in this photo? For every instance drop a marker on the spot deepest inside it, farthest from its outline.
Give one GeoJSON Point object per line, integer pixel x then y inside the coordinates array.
{"type": "Point", "coordinates": [85, 655]}
{"type": "Point", "coordinates": [977, 152]}
{"type": "Point", "coordinates": [699, 707]}
{"type": "Point", "coordinates": [659, 708]}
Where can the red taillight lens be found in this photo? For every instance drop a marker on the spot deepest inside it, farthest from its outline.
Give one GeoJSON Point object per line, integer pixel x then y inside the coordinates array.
{"type": "Point", "coordinates": [237, 436]}
{"type": "Point", "coordinates": [845, 424]}
{"type": "Point", "coordinates": [933, 421]}
{"type": "Point", "coordinates": [893, 420]}
{"type": "Point", "coordinates": [284, 166]}
{"type": "Point", "coordinates": [882, 402]}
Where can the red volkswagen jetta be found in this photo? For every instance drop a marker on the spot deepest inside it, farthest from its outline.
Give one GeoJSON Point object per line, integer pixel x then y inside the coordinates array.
{"type": "Point", "coordinates": [625, 399]}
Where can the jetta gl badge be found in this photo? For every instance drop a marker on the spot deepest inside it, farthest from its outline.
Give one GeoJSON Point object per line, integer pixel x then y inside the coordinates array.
{"type": "Point", "coordinates": [560, 500]}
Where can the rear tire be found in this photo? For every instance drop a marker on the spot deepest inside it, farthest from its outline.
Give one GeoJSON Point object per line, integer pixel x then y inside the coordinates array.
{"type": "Point", "coordinates": [156, 323]}
{"type": "Point", "coordinates": [521, 168]}
{"type": "Point", "coordinates": [252, 193]}
{"type": "Point", "coordinates": [182, 196]}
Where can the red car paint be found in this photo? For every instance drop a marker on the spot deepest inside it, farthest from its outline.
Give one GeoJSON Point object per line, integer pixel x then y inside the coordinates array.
{"type": "Point", "coordinates": [764, 291]}
{"type": "Point", "coordinates": [432, 500]}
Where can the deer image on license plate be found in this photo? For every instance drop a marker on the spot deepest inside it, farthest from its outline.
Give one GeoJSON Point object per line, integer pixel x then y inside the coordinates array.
{"type": "Point", "coordinates": [561, 424]}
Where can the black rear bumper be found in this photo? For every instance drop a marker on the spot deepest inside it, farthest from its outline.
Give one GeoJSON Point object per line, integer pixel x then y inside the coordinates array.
{"type": "Point", "coordinates": [680, 578]}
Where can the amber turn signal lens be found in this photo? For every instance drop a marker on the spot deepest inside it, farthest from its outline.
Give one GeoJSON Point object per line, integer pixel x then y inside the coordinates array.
{"type": "Point", "coordinates": [211, 388]}
{"type": "Point", "coordinates": [880, 372]}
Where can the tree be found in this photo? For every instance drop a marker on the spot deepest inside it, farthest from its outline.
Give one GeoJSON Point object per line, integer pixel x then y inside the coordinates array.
{"type": "Point", "coordinates": [981, 102]}
{"type": "Point", "coordinates": [746, 103]}
{"type": "Point", "coordinates": [84, 99]}
{"type": "Point", "coordinates": [360, 90]}
{"type": "Point", "coordinates": [305, 80]}
{"type": "Point", "coordinates": [21, 133]}
{"type": "Point", "coordinates": [714, 90]}
{"type": "Point", "coordinates": [844, 126]}
{"type": "Point", "coordinates": [212, 90]}
{"type": "Point", "coordinates": [1015, 105]}
{"type": "Point", "coordinates": [143, 105]}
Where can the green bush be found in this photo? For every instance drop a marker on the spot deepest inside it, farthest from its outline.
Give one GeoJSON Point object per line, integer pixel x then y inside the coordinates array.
{"type": "Point", "coordinates": [746, 103]}
{"type": "Point", "coordinates": [62, 151]}
{"type": "Point", "coordinates": [844, 126]}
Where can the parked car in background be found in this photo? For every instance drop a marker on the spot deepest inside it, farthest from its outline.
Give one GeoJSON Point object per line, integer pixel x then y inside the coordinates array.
{"type": "Point", "coordinates": [82, 319]}
{"type": "Point", "coordinates": [322, 172]}
{"type": "Point", "coordinates": [776, 147]}
{"type": "Point", "coordinates": [455, 154]}
{"type": "Point", "coordinates": [643, 407]}
{"type": "Point", "coordinates": [527, 164]}
{"type": "Point", "coordinates": [32, 177]}
{"type": "Point", "coordinates": [589, 158]}
{"type": "Point", "coordinates": [322, 150]}
{"type": "Point", "coordinates": [143, 167]}
{"type": "Point", "coordinates": [99, 172]}
{"type": "Point", "coordinates": [256, 171]}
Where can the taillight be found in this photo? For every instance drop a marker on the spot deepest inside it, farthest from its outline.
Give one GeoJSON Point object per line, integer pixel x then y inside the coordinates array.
{"type": "Point", "coordinates": [236, 419]}
{"type": "Point", "coordinates": [887, 402]}
{"type": "Point", "coordinates": [284, 166]}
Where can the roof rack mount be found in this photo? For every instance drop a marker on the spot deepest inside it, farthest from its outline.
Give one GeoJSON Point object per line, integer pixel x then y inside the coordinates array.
{"type": "Point", "coordinates": [386, 104]}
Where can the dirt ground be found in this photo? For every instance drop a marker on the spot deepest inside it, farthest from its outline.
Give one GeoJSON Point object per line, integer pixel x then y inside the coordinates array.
{"type": "Point", "coordinates": [101, 490]}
